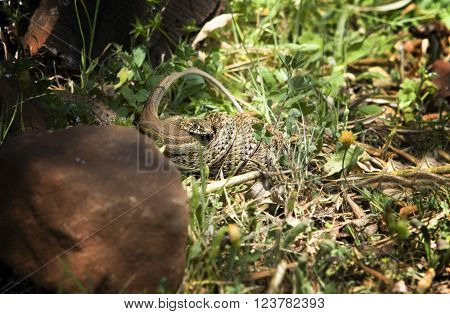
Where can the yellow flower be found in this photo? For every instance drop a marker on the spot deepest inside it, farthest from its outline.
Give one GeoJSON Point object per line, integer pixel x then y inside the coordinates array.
{"type": "Point", "coordinates": [347, 138]}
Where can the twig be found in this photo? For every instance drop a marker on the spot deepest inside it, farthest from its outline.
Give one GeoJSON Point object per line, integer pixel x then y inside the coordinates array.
{"type": "Point", "coordinates": [408, 172]}
{"type": "Point", "coordinates": [233, 181]}
{"type": "Point", "coordinates": [443, 154]}
{"type": "Point", "coordinates": [355, 208]}
{"type": "Point", "coordinates": [407, 177]}
{"type": "Point", "coordinates": [376, 274]}
{"type": "Point", "coordinates": [266, 273]}
{"type": "Point", "coordinates": [3, 41]}
{"type": "Point", "coordinates": [382, 8]}
{"type": "Point", "coordinates": [404, 154]}
{"type": "Point", "coordinates": [274, 285]}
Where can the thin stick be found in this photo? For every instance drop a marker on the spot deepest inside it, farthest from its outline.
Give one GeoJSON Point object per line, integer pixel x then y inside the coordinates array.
{"type": "Point", "coordinates": [233, 181]}
{"type": "Point", "coordinates": [436, 170]}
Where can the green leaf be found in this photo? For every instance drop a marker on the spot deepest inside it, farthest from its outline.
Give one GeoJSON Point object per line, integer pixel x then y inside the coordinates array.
{"type": "Point", "coordinates": [258, 127]}
{"type": "Point", "coordinates": [312, 44]}
{"type": "Point", "coordinates": [369, 110]}
{"type": "Point", "coordinates": [336, 80]}
{"type": "Point", "coordinates": [407, 94]}
{"type": "Point", "coordinates": [295, 113]}
{"type": "Point", "coordinates": [268, 76]}
{"type": "Point", "coordinates": [334, 164]}
{"type": "Point", "coordinates": [371, 45]}
{"type": "Point", "coordinates": [326, 246]}
{"type": "Point", "coordinates": [297, 61]}
{"type": "Point", "coordinates": [138, 56]}
{"type": "Point", "coordinates": [294, 232]}
{"type": "Point", "coordinates": [401, 228]}
{"type": "Point", "coordinates": [286, 60]}
{"type": "Point", "coordinates": [299, 82]}
{"type": "Point", "coordinates": [122, 111]}
{"type": "Point", "coordinates": [128, 94]}
{"type": "Point", "coordinates": [195, 250]}
{"type": "Point", "coordinates": [124, 75]}
{"type": "Point", "coordinates": [216, 241]}
{"type": "Point", "coordinates": [142, 95]}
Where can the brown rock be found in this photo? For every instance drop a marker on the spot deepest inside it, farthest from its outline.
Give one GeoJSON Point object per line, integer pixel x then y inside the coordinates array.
{"type": "Point", "coordinates": [31, 115]}
{"type": "Point", "coordinates": [175, 16]}
{"type": "Point", "coordinates": [55, 25]}
{"type": "Point", "coordinates": [94, 209]}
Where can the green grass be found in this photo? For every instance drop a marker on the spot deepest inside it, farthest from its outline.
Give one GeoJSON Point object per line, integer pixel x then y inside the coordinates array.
{"type": "Point", "coordinates": [293, 64]}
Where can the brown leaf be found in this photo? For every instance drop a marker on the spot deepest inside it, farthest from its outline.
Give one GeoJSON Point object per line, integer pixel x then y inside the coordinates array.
{"type": "Point", "coordinates": [216, 23]}
{"type": "Point", "coordinates": [371, 229]}
{"type": "Point", "coordinates": [359, 213]}
{"type": "Point", "coordinates": [41, 25]}
{"type": "Point", "coordinates": [383, 78]}
{"type": "Point", "coordinates": [400, 287]}
{"type": "Point", "coordinates": [427, 280]}
{"type": "Point", "coordinates": [376, 274]}
{"type": "Point", "coordinates": [408, 209]}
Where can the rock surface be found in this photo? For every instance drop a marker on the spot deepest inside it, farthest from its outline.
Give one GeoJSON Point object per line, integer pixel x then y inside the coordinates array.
{"type": "Point", "coordinates": [92, 209]}
{"type": "Point", "coordinates": [32, 114]}
{"type": "Point", "coordinates": [54, 25]}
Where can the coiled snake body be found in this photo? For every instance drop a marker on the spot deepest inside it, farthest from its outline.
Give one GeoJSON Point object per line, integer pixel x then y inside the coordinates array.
{"type": "Point", "coordinates": [221, 141]}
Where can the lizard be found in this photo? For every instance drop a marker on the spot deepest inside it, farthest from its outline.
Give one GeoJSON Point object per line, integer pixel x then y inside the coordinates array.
{"type": "Point", "coordinates": [221, 141]}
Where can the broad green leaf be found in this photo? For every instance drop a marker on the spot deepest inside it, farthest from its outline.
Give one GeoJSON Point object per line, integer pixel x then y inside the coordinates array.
{"type": "Point", "coordinates": [268, 76]}
{"type": "Point", "coordinates": [401, 228]}
{"type": "Point", "coordinates": [334, 164]}
{"type": "Point", "coordinates": [369, 110]}
{"type": "Point", "coordinates": [122, 111]}
{"type": "Point", "coordinates": [128, 94]}
{"type": "Point", "coordinates": [141, 95]}
{"type": "Point", "coordinates": [336, 80]}
{"type": "Point", "coordinates": [138, 56]}
{"type": "Point", "coordinates": [195, 250]}
{"type": "Point", "coordinates": [326, 246]}
{"type": "Point", "coordinates": [299, 82]}
{"type": "Point", "coordinates": [371, 45]}
{"type": "Point", "coordinates": [294, 232]}
{"type": "Point", "coordinates": [124, 75]}
{"type": "Point", "coordinates": [407, 94]}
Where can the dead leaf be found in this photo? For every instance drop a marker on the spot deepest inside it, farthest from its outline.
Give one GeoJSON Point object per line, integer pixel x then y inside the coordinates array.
{"type": "Point", "coordinates": [407, 210]}
{"type": "Point", "coordinates": [427, 280]}
{"type": "Point", "coordinates": [359, 213]}
{"type": "Point", "coordinates": [400, 287]}
{"type": "Point", "coordinates": [411, 7]}
{"type": "Point", "coordinates": [41, 26]}
{"type": "Point", "coordinates": [360, 222]}
{"type": "Point", "coordinates": [370, 230]}
{"type": "Point", "coordinates": [277, 277]}
{"type": "Point", "coordinates": [382, 78]}
{"type": "Point", "coordinates": [216, 23]}
{"type": "Point", "coordinates": [380, 276]}
{"type": "Point", "coordinates": [412, 45]}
